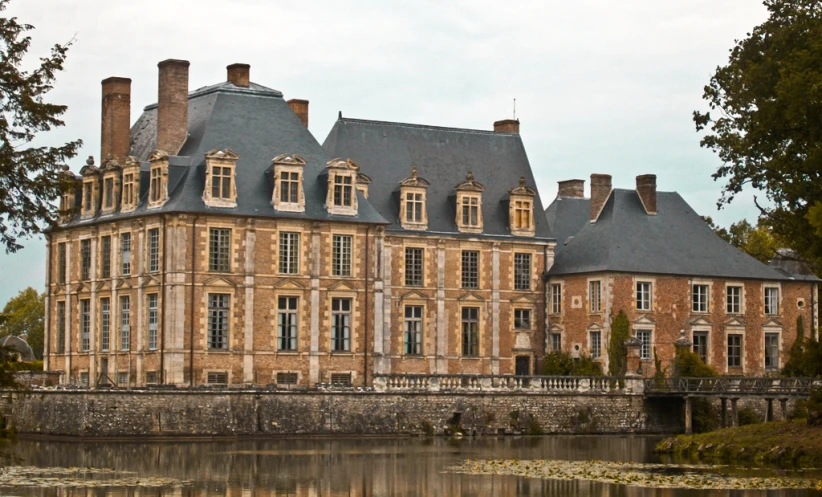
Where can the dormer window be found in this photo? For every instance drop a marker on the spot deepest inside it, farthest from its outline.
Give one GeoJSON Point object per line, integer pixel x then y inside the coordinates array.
{"type": "Point", "coordinates": [67, 201]}
{"type": "Point", "coordinates": [221, 189]}
{"type": "Point", "coordinates": [469, 205]}
{"type": "Point", "coordinates": [111, 185]}
{"type": "Point", "coordinates": [413, 212]}
{"type": "Point", "coordinates": [131, 185]}
{"type": "Point", "coordinates": [363, 181]}
{"type": "Point", "coordinates": [342, 181]}
{"type": "Point", "coordinates": [521, 209]}
{"type": "Point", "coordinates": [91, 188]}
{"type": "Point", "coordinates": [158, 179]}
{"type": "Point", "coordinates": [288, 195]}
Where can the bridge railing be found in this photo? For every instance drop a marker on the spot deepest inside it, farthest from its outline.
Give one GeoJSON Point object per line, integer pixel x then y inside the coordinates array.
{"type": "Point", "coordinates": [731, 385]}
{"type": "Point", "coordinates": [502, 383]}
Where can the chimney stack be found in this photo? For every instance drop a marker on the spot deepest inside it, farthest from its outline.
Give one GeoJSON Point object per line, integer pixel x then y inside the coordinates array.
{"type": "Point", "coordinates": [239, 75]}
{"type": "Point", "coordinates": [571, 188]}
{"type": "Point", "coordinates": [300, 107]}
{"type": "Point", "coordinates": [600, 191]}
{"type": "Point", "coordinates": [115, 136]}
{"type": "Point", "coordinates": [646, 189]}
{"type": "Point", "coordinates": [507, 126]}
{"type": "Point", "coordinates": [172, 105]}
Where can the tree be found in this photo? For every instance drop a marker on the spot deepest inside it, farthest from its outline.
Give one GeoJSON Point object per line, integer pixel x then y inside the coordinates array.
{"type": "Point", "coordinates": [765, 121]}
{"type": "Point", "coordinates": [617, 351]}
{"type": "Point", "coordinates": [25, 314]}
{"type": "Point", "coordinates": [29, 176]}
{"type": "Point", "coordinates": [759, 242]}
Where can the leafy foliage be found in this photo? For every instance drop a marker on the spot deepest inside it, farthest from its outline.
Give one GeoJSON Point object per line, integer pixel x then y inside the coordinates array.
{"type": "Point", "coordinates": [558, 363]}
{"type": "Point", "coordinates": [617, 351]}
{"type": "Point", "coordinates": [757, 241]}
{"type": "Point", "coordinates": [804, 359]}
{"type": "Point", "coordinates": [29, 175]}
{"type": "Point", "coordinates": [8, 365]}
{"type": "Point", "coordinates": [25, 314]}
{"type": "Point", "coordinates": [747, 416]}
{"type": "Point", "coordinates": [764, 121]}
{"type": "Point", "coordinates": [690, 365]}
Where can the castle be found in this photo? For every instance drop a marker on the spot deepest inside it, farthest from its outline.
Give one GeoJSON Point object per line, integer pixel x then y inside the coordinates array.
{"type": "Point", "coordinates": [218, 242]}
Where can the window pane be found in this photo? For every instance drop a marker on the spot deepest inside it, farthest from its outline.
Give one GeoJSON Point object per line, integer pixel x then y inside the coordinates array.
{"type": "Point", "coordinates": [470, 269]}
{"type": "Point", "coordinates": [522, 272]}
{"type": "Point", "coordinates": [341, 255]}
{"type": "Point", "coordinates": [413, 266]}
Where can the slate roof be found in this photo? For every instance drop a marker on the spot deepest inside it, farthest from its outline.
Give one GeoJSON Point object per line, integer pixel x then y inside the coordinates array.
{"type": "Point", "coordinates": [386, 151]}
{"type": "Point", "coordinates": [258, 125]}
{"type": "Point", "coordinates": [788, 262]}
{"type": "Point", "coordinates": [625, 239]}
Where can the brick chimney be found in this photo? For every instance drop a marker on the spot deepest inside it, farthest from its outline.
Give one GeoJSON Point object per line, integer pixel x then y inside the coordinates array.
{"type": "Point", "coordinates": [571, 188]}
{"type": "Point", "coordinates": [115, 137]}
{"type": "Point", "coordinates": [600, 191]}
{"type": "Point", "coordinates": [300, 107]}
{"type": "Point", "coordinates": [507, 126]}
{"type": "Point", "coordinates": [238, 74]}
{"type": "Point", "coordinates": [646, 189]}
{"type": "Point", "coordinates": [172, 105]}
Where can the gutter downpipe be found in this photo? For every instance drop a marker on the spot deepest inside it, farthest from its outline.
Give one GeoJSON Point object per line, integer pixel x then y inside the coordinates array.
{"type": "Point", "coordinates": [48, 295]}
{"type": "Point", "coordinates": [191, 309]}
{"type": "Point", "coordinates": [545, 336]}
{"type": "Point", "coordinates": [165, 299]}
{"type": "Point", "coordinates": [367, 314]}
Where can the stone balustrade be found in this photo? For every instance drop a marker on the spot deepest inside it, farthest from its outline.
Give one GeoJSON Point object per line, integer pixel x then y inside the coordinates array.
{"type": "Point", "coordinates": [506, 383]}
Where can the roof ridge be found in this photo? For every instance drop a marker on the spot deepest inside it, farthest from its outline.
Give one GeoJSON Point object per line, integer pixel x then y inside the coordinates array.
{"type": "Point", "coordinates": [227, 87]}
{"type": "Point", "coordinates": [423, 126]}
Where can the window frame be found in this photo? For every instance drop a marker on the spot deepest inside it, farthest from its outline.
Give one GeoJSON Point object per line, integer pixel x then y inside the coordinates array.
{"type": "Point", "coordinates": [734, 360]}
{"type": "Point", "coordinates": [342, 247]}
{"type": "Point", "coordinates": [775, 336]}
{"type": "Point", "coordinates": [152, 320]}
{"type": "Point", "coordinates": [734, 303]}
{"type": "Point", "coordinates": [105, 256]}
{"type": "Point", "coordinates": [62, 263]}
{"type": "Point", "coordinates": [469, 269]}
{"type": "Point", "coordinates": [61, 327]}
{"type": "Point", "coordinates": [219, 249]}
{"type": "Point", "coordinates": [645, 345]}
{"type": "Point", "coordinates": [153, 250]}
{"type": "Point", "coordinates": [288, 255]}
{"type": "Point", "coordinates": [595, 343]}
{"type": "Point", "coordinates": [343, 194]}
{"type": "Point", "coordinates": [414, 266]}
{"type": "Point", "coordinates": [341, 324]}
{"type": "Point", "coordinates": [288, 319]}
{"type": "Point", "coordinates": [701, 349]}
{"type": "Point", "coordinates": [522, 271]}
{"type": "Point", "coordinates": [413, 329]}
{"type": "Point", "coordinates": [85, 259]}
{"type": "Point", "coordinates": [222, 177]}
{"type": "Point", "coordinates": [556, 298]}
{"type": "Point", "coordinates": [470, 331]}
{"type": "Point", "coordinates": [125, 254]}
{"type": "Point", "coordinates": [700, 302]}
{"type": "Point", "coordinates": [125, 322]}
{"type": "Point", "coordinates": [644, 296]}
{"type": "Point", "coordinates": [218, 327]}
{"type": "Point", "coordinates": [470, 208]}
{"type": "Point", "coordinates": [594, 304]}
{"type": "Point", "coordinates": [85, 325]}
{"type": "Point", "coordinates": [771, 303]}
{"type": "Point", "coordinates": [105, 324]}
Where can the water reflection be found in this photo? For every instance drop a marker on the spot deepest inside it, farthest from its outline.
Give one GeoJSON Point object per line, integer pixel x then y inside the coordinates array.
{"type": "Point", "coordinates": [344, 467]}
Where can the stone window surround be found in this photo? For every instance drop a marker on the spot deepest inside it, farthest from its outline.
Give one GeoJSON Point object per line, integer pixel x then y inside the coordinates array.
{"type": "Point", "coordinates": [735, 330]}
{"type": "Point", "coordinates": [413, 302]}
{"type": "Point", "coordinates": [363, 182]}
{"type": "Point", "coordinates": [275, 372]}
{"type": "Point", "coordinates": [286, 163]}
{"type": "Point", "coordinates": [710, 285]}
{"type": "Point", "coordinates": [205, 372]}
{"type": "Point", "coordinates": [708, 349]}
{"type": "Point", "coordinates": [601, 281]}
{"type": "Point", "coordinates": [354, 247]}
{"type": "Point", "coordinates": [326, 336]}
{"type": "Point", "coordinates": [555, 329]}
{"type": "Point", "coordinates": [551, 306]}
{"type": "Point", "coordinates": [290, 226]}
{"type": "Point", "coordinates": [233, 239]}
{"type": "Point", "coordinates": [146, 259]}
{"type": "Point", "coordinates": [521, 306]}
{"type": "Point", "coordinates": [644, 279]}
{"type": "Point", "coordinates": [471, 248]}
{"type": "Point", "coordinates": [407, 244]}
{"type": "Point", "coordinates": [342, 371]}
{"type": "Point", "coordinates": [593, 329]}
{"type": "Point", "coordinates": [522, 193]}
{"type": "Point", "coordinates": [159, 165]}
{"type": "Point", "coordinates": [131, 167]}
{"type": "Point", "coordinates": [414, 185]}
{"type": "Point", "coordinates": [111, 172]}
{"type": "Point", "coordinates": [275, 310]}
{"type": "Point", "coordinates": [226, 158]}
{"type": "Point", "coordinates": [776, 330]}
{"type": "Point", "coordinates": [532, 277]}
{"type": "Point", "coordinates": [90, 209]}
{"type": "Point", "coordinates": [467, 190]}
{"type": "Point", "coordinates": [778, 287]}
{"type": "Point", "coordinates": [206, 290]}
{"type": "Point", "coordinates": [342, 168]}
{"type": "Point", "coordinates": [643, 324]}
{"type": "Point", "coordinates": [742, 298]}
{"type": "Point", "coordinates": [480, 330]}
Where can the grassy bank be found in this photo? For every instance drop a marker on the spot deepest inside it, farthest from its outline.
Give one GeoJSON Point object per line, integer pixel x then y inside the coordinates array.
{"type": "Point", "coordinates": [783, 443]}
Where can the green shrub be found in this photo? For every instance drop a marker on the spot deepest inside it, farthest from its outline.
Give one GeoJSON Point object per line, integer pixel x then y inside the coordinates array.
{"type": "Point", "coordinates": [747, 416]}
{"type": "Point", "coordinates": [585, 366]}
{"type": "Point", "coordinates": [26, 366]}
{"type": "Point", "coordinates": [815, 408]}
{"type": "Point", "coordinates": [705, 417]}
{"type": "Point", "coordinates": [559, 363]}
{"type": "Point", "coordinates": [617, 351]}
{"type": "Point", "coordinates": [689, 365]}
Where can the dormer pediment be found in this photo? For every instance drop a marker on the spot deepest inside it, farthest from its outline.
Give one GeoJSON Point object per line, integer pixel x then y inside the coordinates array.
{"type": "Point", "coordinates": [342, 286]}
{"type": "Point", "coordinates": [344, 165]}
{"type": "Point", "coordinates": [522, 189]}
{"type": "Point", "coordinates": [219, 281]}
{"type": "Point", "coordinates": [289, 160]}
{"type": "Point", "coordinates": [158, 155]}
{"type": "Point", "coordinates": [225, 154]}
{"type": "Point", "coordinates": [414, 181]}
{"type": "Point", "coordinates": [470, 297]}
{"type": "Point", "coordinates": [289, 284]}
{"type": "Point", "coordinates": [470, 185]}
{"type": "Point", "coordinates": [89, 169]}
{"type": "Point", "coordinates": [363, 179]}
{"type": "Point", "coordinates": [111, 165]}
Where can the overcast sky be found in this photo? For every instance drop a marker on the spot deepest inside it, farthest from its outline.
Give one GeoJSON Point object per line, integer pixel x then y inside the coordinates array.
{"type": "Point", "coordinates": [600, 86]}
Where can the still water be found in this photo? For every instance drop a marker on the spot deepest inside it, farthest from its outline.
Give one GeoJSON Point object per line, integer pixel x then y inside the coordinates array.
{"type": "Point", "coordinates": [338, 467]}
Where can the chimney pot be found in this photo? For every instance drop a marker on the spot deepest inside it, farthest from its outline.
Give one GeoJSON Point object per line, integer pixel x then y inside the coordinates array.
{"type": "Point", "coordinates": [600, 191]}
{"type": "Point", "coordinates": [571, 188]}
{"type": "Point", "coordinates": [300, 107]}
{"type": "Point", "coordinates": [172, 105]}
{"type": "Point", "coordinates": [646, 189]}
{"type": "Point", "coordinates": [507, 126]}
{"type": "Point", "coordinates": [239, 74]}
{"type": "Point", "coordinates": [115, 136]}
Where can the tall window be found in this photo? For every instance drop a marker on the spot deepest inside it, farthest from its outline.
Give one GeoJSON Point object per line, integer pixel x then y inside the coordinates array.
{"type": "Point", "coordinates": [128, 189]}
{"type": "Point", "coordinates": [700, 298]}
{"type": "Point", "coordinates": [341, 255]}
{"type": "Point", "coordinates": [289, 253]}
{"type": "Point", "coordinates": [595, 296]}
{"type": "Point", "coordinates": [343, 190]}
{"type": "Point", "coordinates": [85, 259]}
{"type": "Point", "coordinates": [125, 250]}
{"type": "Point", "coordinates": [105, 256]}
{"type": "Point", "coordinates": [771, 300]}
{"type": "Point", "coordinates": [87, 189]}
{"type": "Point", "coordinates": [522, 319]}
{"type": "Point", "coordinates": [413, 330]}
{"type": "Point", "coordinates": [645, 343]}
{"type": "Point", "coordinates": [734, 351]}
{"type": "Point", "coordinates": [470, 269]}
{"type": "Point", "coordinates": [105, 323]}
{"type": "Point", "coordinates": [287, 323]}
{"type": "Point", "coordinates": [643, 296]}
{"type": "Point", "coordinates": [153, 321]}
{"type": "Point", "coordinates": [125, 322]}
{"type": "Point", "coordinates": [289, 187]}
{"type": "Point", "coordinates": [219, 243]}
{"type": "Point", "coordinates": [340, 325]}
{"type": "Point", "coordinates": [85, 325]}
{"type": "Point", "coordinates": [470, 331]}
{"type": "Point", "coordinates": [556, 342]}
{"type": "Point", "coordinates": [218, 321]}
{"type": "Point", "coordinates": [413, 207]}
{"type": "Point", "coordinates": [701, 345]}
{"type": "Point", "coordinates": [556, 298]}
{"type": "Point", "coordinates": [60, 346]}
{"type": "Point", "coordinates": [771, 351]}
{"type": "Point", "coordinates": [61, 263]}
{"type": "Point", "coordinates": [413, 266]}
{"type": "Point", "coordinates": [221, 182]}
{"type": "Point", "coordinates": [522, 214]}
{"type": "Point", "coordinates": [734, 300]}
{"type": "Point", "coordinates": [596, 344]}
{"type": "Point", "coordinates": [155, 183]}
{"type": "Point", "coordinates": [108, 192]}
{"type": "Point", "coordinates": [470, 211]}
{"type": "Point", "coordinates": [153, 250]}
{"type": "Point", "coordinates": [522, 272]}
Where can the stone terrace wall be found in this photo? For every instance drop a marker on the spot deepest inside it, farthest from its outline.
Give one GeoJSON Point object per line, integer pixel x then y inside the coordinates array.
{"type": "Point", "coordinates": [222, 413]}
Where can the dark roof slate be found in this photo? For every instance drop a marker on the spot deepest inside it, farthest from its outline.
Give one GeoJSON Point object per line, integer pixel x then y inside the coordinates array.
{"type": "Point", "coordinates": [789, 262]}
{"type": "Point", "coordinates": [625, 239]}
{"type": "Point", "coordinates": [386, 152]}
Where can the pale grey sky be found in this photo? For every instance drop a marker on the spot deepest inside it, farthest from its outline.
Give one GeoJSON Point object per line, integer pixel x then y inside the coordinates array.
{"type": "Point", "coordinates": [601, 86]}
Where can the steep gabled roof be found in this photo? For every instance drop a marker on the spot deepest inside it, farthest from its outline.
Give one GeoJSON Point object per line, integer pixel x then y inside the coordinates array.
{"type": "Point", "coordinates": [387, 151]}
{"type": "Point", "coordinates": [625, 239]}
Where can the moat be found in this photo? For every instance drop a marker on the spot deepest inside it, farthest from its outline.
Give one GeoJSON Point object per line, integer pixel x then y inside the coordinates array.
{"type": "Point", "coordinates": [337, 467]}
